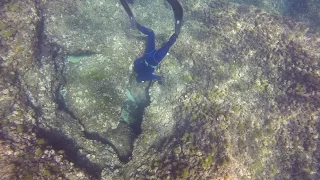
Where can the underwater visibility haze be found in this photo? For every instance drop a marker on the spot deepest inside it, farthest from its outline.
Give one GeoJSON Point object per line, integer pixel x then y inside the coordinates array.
{"type": "Point", "coordinates": [160, 89]}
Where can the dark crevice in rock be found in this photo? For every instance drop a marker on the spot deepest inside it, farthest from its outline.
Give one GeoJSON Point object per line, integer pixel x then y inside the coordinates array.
{"type": "Point", "coordinates": [58, 62]}
{"type": "Point", "coordinates": [136, 125]}
{"type": "Point", "coordinates": [59, 100]}
{"type": "Point", "coordinates": [55, 138]}
{"type": "Point", "coordinates": [135, 109]}
{"type": "Point", "coordinates": [120, 139]}
{"type": "Point", "coordinates": [40, 35]}
{"type": "Point", "coordinates": [61, 142]}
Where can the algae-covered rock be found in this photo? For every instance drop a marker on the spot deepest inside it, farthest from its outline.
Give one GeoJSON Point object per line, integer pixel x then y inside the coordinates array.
{"type": "Point", "coordinates": [255, 77]}
{"type": "Point", "coordinates": [240, 98]}
{"type": "Point", "coordinates": [302, 11]}
{"type": "Point", "coordinates": [23, 151]}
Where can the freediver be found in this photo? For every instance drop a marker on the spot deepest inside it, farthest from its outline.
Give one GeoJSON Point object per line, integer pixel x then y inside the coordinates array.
{"type": "Point", "coordinates": [148, 63]}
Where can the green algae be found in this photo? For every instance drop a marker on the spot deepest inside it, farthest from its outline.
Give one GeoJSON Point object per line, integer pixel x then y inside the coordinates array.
{"type": "Point", "coordinates": [214, 149]}
{"type": "Point", "coordinates": [46, 172]}
{"type": "Point", "coordinates": [185, 137]}
{"type": "Point", "coordinates": [2, 26]}
{"type": "Point", "coordinates": [38, 152]}
{"type": "Point", "coordinates": [153, 133]}
{"type": "Point", "coordinates": [12, 6]}
{"type": "Point", "coordinates": [177, 150]}
{"type": "Point", "coordinates": [28, 177]}
{"type": "Point", "coordinates": [20, 128]}
{"type": "Point", "coordinates": [257, 133]}
{"type": "Point", "coordinates": [155, 164]}
{"type": "Point", "coordinates": [187, 78]}
{"type": "Point", "coordinates": [194, 117]}
{"type": "Point", "coordinates": [208, 161]}
{"type": "Point", "coordinates": [217, 94]}
{"type": "Point", "coordinates": [8, 33]}
{"type": "Point", "coordinates": [185, 173]}
{"type": "Point", "coordinates": [19, 49]}
{"type": "Point", "coordinates": [256, 168]}
{"type": "Point", "coordinates": [41, 141]}
{"type": "Point", "coordinates": [227, 143]}
{"type": "Point", "coordinates": [225, 161]}
{"type": "Point", "coordinates": [145, 138]}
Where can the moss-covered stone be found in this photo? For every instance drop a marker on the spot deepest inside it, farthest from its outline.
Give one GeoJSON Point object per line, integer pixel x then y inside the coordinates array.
{"type": "Point", "coordinates": [225, 161]}
{"type": "Point", "coordinates": [28, 177]}
{"type": "Point", "coordinates": [8, 33]}
{"type": "Point", "coordinates": [208, 161]}
{"type": "Point", "coordinates": [46, 172]}
{"type": "Point", "coordinates": [13, 6]}
{"type": "Point", "coordinates": [41, 141]}
{"type": "Point", "coordinates": [185, 137]}
{"type": "Point", "coordinates": [177, 150]}
{"type": "Point", "coordinates": [187, 78]}
{"type": "Point", "coordinates": [185, 174]}
{"type": "Point", "coordinates": [38, 152]}
{"type": "Point", "coordinates": [2, 26]}
{"type": "Point", "coordinates": [19, 128]}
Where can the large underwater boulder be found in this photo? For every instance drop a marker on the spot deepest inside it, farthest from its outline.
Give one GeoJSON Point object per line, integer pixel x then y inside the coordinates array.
{"type": "Point", "coordinates": [240, 98]}
{"type": "Point", "coordinates": [241, 101]}
{"type": "Point", "coordinates": [27, 99]}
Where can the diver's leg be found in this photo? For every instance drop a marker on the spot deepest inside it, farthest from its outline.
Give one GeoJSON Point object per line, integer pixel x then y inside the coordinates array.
{"type": "Point", "coordinates": [138, 64]}
{"type": "Point", "coordinates": [151, 37]}
{"type": "Point", "coordinates": [162, 52]}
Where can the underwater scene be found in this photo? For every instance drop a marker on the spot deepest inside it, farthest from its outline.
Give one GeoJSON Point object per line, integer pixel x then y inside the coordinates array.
{"type": "Point", "coordinates": [160, 89]}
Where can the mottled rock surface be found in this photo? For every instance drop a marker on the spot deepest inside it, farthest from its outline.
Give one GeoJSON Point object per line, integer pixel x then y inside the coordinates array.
{"type": "Point", "coordinates": [250, 109]}
{"type": "Point", "coordinates": [240, 98]}
{"type": "Point", "coordinates": [24, 154]}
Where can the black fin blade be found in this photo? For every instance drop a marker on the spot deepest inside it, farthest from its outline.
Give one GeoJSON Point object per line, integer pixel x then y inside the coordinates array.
{"type": "Point", "coordinates": [178, 14]}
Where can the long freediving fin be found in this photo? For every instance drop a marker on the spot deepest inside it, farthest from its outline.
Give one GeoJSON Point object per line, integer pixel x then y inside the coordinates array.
{"type": "Point", "coordinates": [130, 1]}
{"type": "Point", "coordinates": [176, 7]}
{"type": "Point", "coordinates": [178, 15]}
{"type": "Point", "coordinates": [129, 12]}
